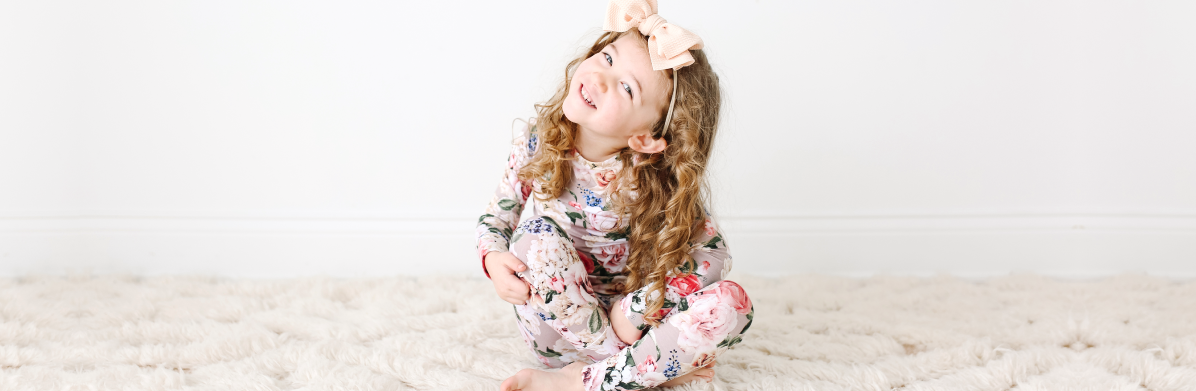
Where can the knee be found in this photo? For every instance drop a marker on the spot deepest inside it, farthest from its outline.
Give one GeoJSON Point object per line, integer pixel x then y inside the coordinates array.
{"type": "Point", "coordinates": [730, 292]}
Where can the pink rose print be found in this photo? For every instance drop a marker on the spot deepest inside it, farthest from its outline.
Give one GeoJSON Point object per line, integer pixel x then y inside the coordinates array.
{"type": "Point", "coordinates": [613, 257]}
{"type": "Point", "coordinates": [703, 359]}
{"type": "Point", "coordinates": [604, 178]}
{"type": "Point", "coordinates": [576, 205]}
{"type": "Point", "coordinates": [685, 286]}
{"type": "Point", "coordinates": [648, 365]}
{"type": "Point", "coordinates": [648, 375]}
{"type": "Point", "coordinates": [732, 293]}
{"type": "Point", "coordinates": [707, 321]}
{"type": "Point", "coordinates": [557, 284]}
{"type": "Point", "coordinates": [525, 187]}
{"type": "Point", "coordinates": [710, 230]}
{"type": "Point", "coordinates": [603, 221]}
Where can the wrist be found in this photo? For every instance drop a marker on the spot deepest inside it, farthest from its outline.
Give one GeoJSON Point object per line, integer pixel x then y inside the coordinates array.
{"type": "Point", "coordinates": [486, 261]}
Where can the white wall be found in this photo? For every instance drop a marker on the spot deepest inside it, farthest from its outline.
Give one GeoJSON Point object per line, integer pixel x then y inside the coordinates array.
{"type": "Point", "coordinates": [281, 138]}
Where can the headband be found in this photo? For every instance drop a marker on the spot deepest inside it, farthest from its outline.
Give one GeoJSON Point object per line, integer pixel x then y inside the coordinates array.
{"type": "Point", "coordinates": [668, 45]}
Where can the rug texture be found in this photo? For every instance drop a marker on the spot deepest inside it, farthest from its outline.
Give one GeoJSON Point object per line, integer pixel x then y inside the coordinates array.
{"type": "Point", "coordinates": [452, 333]}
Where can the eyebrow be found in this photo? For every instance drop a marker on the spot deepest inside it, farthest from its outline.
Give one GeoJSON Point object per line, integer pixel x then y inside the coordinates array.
{"type": "Point", "coordinates": [637, 81]}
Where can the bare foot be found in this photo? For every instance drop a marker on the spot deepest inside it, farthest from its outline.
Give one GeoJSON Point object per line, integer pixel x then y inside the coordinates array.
{"type": "Point", "coordinates": [705, 374]}
{"type": "Point", "coordinates": [565, 379]}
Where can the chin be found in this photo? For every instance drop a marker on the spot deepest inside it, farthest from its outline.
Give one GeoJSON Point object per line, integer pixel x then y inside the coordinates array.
{"type": "Point", "coordinates": [571, 111]}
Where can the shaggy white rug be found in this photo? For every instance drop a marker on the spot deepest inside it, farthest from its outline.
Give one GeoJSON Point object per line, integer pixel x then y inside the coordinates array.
{"type": "Point", "coordinates": [811, 333]}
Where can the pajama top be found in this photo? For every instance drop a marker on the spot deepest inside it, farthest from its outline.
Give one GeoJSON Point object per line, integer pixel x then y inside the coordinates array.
{"type": "Point", "coordinates": [600, 236]}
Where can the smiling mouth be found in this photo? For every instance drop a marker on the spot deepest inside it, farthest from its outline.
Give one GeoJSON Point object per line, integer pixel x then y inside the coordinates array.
{"type": "Point", "coordinates": [585, 96]}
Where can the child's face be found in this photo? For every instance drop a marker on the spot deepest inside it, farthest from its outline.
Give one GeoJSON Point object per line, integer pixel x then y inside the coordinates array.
{"type": "Point", "coordinates": [626, 97]}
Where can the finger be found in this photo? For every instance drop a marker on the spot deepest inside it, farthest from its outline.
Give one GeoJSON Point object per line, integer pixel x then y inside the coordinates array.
{"type": "Point", "coordinates": [508, 280]}
{"type": "Point", "coordinates": [515, 264]}
{"type": "Point", "coordinates": [520, 294]}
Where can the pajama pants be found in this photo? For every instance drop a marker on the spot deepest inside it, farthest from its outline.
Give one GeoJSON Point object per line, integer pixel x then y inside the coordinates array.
{"type": "Point", "coordinates": [565, 321]}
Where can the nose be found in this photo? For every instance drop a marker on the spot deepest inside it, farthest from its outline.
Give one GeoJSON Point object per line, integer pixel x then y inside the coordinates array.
{"type": "Point", "coordinates": [601, 81]}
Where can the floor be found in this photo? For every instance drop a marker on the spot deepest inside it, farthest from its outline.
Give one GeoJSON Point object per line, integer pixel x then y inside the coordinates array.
{"type": "Point", "coordinates": [811, 332]}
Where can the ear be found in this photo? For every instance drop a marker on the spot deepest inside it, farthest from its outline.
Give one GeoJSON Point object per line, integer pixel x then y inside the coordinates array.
{"type": "Point", "coordinates": [644, 143]}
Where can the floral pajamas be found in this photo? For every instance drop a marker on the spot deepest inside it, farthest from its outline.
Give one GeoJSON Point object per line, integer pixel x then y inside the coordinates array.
{"type": "Point", "coordinates": [576, 252]}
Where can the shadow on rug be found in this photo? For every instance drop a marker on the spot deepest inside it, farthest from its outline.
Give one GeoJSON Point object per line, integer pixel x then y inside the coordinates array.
{"type": "Point", "coordinates": [452, 333]}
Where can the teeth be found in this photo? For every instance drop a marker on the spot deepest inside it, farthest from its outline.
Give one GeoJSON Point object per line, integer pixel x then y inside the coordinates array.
{"type": "Point", "coordinates": [586, 97]}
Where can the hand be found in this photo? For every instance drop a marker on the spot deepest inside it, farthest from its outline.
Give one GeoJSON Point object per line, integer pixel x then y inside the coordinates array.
{"type": "Point", "coordinates": [502, 267]}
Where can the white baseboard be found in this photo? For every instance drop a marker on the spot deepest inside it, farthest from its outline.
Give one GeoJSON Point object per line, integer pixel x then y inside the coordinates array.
{"type": "Point", "coordinates": [1072, 245]}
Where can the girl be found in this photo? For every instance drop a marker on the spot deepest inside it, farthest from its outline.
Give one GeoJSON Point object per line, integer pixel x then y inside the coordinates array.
{"type": "Point", "coordinates": [624, 265]}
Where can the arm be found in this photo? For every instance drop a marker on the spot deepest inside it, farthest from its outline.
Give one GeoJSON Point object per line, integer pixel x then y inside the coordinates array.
{"type": "Point", "coordinates": [502, 214]}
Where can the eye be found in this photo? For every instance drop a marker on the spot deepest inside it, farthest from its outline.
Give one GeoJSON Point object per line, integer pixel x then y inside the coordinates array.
{"type": "Point", "coordinates": [626, 88]}
{"type": "Point", "coordinates": [609, 61]}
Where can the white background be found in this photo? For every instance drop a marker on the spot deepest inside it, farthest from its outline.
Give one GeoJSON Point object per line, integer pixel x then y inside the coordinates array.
{"type": "Point", "coordinates": [351, 138]}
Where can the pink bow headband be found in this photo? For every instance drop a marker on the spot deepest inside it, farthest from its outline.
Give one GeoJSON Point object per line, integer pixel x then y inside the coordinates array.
{"type": "Point", "coordinates": [668, 45]}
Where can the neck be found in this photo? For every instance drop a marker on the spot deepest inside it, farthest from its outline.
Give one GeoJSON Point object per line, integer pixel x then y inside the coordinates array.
{"type": "Point", "coordinates": [596, 148]}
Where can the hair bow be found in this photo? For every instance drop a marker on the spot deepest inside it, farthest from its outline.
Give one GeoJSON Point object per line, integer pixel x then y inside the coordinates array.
{"type": "Point", "coordinates": [668, 45]}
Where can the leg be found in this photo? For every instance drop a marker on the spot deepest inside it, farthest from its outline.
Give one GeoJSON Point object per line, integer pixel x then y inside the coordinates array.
{"type": "Point", "coordinates": [550, 348]}
{"type": "Point", "coordinates": [562, 302]}
{"type": "Point", "coordinates": [703, 325]}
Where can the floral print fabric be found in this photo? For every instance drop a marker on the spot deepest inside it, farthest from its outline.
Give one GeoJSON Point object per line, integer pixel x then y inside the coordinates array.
{"type": "Point", "coordinates": [575, 248]}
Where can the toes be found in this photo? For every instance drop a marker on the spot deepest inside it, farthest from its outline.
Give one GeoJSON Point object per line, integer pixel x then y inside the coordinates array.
{"type": "Point", "coordinates": [517, 382]}
{"type": "Point", "coordinates": [508, 385]}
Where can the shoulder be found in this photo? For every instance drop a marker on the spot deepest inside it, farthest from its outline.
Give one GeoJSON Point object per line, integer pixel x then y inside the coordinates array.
{"type": "Point", "coordinates": [524, 142]}
{"type": "Point", "coordinates": [525, 139]}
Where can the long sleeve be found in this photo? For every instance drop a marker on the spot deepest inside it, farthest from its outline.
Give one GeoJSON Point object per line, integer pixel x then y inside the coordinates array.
{"type": "Point", "coordinates": [502, 214]}
{"type": "Point", "coordinates": [710, 261]}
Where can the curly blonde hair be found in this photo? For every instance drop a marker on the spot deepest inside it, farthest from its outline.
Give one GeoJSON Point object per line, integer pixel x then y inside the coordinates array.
{"type": "Point", "coordinates": [670, 187]}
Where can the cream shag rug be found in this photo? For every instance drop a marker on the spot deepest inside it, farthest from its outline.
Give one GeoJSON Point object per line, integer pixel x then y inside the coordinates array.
{"type": "Point", "coordinates": [451, 333]}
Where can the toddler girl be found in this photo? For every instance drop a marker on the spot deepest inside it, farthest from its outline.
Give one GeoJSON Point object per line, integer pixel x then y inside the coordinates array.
{"type": "Point", "coordinates": [615, 268]}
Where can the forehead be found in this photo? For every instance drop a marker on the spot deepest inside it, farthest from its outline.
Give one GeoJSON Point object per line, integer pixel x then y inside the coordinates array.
{"type": "Point", "coordinates": [633, 49]}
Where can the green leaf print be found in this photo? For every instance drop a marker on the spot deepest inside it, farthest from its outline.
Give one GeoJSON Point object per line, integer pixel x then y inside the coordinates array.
{"type": "Point", "coordinates": [596, 321]}
{"type": "Point", "coordinates": [630, 386]}
{"type": "Point", "coordinates": [689, 266]}
{"type": "Point", "coordinates": [507, 204]}
{"type": "Point", "coordinates": [617, 235]}
{"type": "Point", "coordinates": [484, 217]}
{"type": "Point", "coordinates": [630, 359]}
{"type": "Point", "coordinates": [713, 243]}
{"type": "Point", "coordinates": [549, 353]}
{"type": "Point", "coordinates": [750, 315]}
{"type": "Point", "coordinates": [574, 216]}
{"type": "Point", "coordinates": [683, 305]}
{"type": "Point", "coordinates": [548, 297]}
{"type": "Point", "coordinates": [729, 341]}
